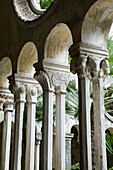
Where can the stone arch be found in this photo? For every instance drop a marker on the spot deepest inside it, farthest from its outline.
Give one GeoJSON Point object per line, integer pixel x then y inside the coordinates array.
{"type": "Point", "coordinates": [97, 23]}
{"type": "Point", "coordinates": [5, 71]}
{"type": "Point", "coordinates": [57, 44]}
{"type": "Point", "coordinates": [75, 151]}
{"type": "Point", "coordinates": [28, 56]}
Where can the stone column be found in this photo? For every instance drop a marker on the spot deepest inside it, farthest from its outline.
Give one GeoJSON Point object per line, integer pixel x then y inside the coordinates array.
{"type": "Point", "coordinates": [37, 150]}
{"type": "Point", "coordinates": [84, 124]}
{"type": "Point", "coordinates": [78, 66]}
{"type": "Point", "coordinates": [47, 130]}
{"type": "Point", "coordinates": [98, 71]}
{"type": "Point", "coordinates": [6, 137]}
{"type": "Point", "coordinates": [1, 109]}
{"type": "Point", "coordinates": [19, 91]}
{"type": "Point", "coordinates": [60, 129]}
{"type": "Point", "coordinates": [60, 81]}
{"type": "Point", "coordinates": [68, 138]}
{"type": "Point", "coordinates": [30, 134]}
{"type": "Point", "coordinates": [47, 122]}
{"type": "Point", "coordinates": [85, 61]}
{"type": "Point", "coordinates": [1, 125]}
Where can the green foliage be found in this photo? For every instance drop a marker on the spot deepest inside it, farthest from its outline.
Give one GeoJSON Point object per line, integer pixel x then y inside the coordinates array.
{"type": "Point", "coordinates": [111, 168]}
{"type": "Point", "coordinates": [69, 59]}
{"type": "Point", "coordinates": [108, 100]}
{"type": "Point", "coordinates": [44, 4]}
{"type": "Point", "coordinates": [39, 108]}
{"type": "Point", "coordinates": [109, 142]}
{"type": "Point", "coordinates": [72, 103]}
{"type": "Point", "coordinates": [110, 50]}
{"type": "Point", "coordinates": [75, 167]}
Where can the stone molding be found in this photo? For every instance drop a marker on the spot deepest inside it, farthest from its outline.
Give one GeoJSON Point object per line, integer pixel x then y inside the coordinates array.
{"type": "Point", "coordinates": [35, 6]}
{"type": "Point", "coordinates": [6, 99]}
{"type": "Point", "coordinates": [54, 80]}
{"type": "Point", "coordinates": [89, 61]}
{"type": "Point", "coordinates": [23, 84]}
{"type": "Point", "coordinates": [24, 11]}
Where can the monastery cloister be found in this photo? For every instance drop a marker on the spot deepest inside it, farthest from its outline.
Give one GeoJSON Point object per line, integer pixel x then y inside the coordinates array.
{"type": "Point", "coordinates": [34, 49]}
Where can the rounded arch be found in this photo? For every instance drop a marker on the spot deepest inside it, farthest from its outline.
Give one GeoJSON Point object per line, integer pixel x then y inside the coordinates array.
{"type": "Point", "coordinates": [24, 11]}
{"type": "Point", "coordinates": [75, 144]}
{"type": "Point", "coordinates": [97, 23]}
{"type": "Point", "coordinates": [57, 44]}
{"type": "Point", "coordinates": [28, 56]}
{"type": "Point", "coordinates": [5, 71]}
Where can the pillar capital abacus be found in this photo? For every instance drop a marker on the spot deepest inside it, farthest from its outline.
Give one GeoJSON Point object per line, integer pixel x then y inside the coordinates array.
{"type": "Point", "coordinates": [18, 88]}
{"type": "Point", "coordinates": [60, 81]}
{"type": "Point", "coordinates": [87, 60]}
{"type": "Point", "coordinates": [98, 68]}
{"type": "Point", "coordinates": [44, 78]}
{"type": "Point", "coordinates": [9, 103]}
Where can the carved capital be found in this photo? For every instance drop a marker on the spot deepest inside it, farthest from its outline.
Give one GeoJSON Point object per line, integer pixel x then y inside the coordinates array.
{"type": "Point", "coordinates": [9, 103]}
{"type": "Point", "coordinates": [44, 78]}
{"type": "Point", "coordinates": [60, 80]}
{"type": "Point", "coordinates": [105, 66]}
{"type": "Point", "coordinates": [98, 68]}
{"type": "Point", "coordinates": [18, 88]}
{"type": "Point", "coordinates": [78, 65]}
{"type": "Point", "coordinates": [93, 66]}
{"type": "Point", "coordinates": [86, 60]}
{"type": "Point", "coordinates": [19, 91]}
{"type": "Point", "coordinates": [31, 92]}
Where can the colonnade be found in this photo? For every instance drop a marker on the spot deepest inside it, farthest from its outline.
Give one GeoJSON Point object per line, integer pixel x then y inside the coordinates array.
{"type": "Point", "coordinates": [90, 64]}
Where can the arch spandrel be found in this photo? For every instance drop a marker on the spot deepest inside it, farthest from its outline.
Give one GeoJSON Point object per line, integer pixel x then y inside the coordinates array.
{"type": "Point", "coordinates": [28, 56]}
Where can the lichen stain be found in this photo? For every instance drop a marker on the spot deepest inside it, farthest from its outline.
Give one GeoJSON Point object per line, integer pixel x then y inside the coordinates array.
{"type": "Point", "coordinates": [57, 44]}
{"type": "Point", "coordinates": [5, 71]}
{"type": "Point", "coordinates": [28, 56]}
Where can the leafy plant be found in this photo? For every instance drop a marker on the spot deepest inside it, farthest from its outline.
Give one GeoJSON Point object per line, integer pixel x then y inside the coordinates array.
{"type": "Point", "coordinates": [111, 168]}
{"type": "Point", "coordinates": [75, 167]}
{"type": "Point", "coordinates": [110, 50]}
{"type": "Point", "coordinates": [44, 4]}
{"type": "Point", "coordinates": [72, 103]}
{"type": "Point", "coordinates": [109, 142]}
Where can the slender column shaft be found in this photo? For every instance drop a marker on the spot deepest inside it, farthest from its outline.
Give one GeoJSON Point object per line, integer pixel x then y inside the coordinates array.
{"type": "Point", "coordinates": [30, 134]}
{"type": "Point", "coordinates": [99, 129]}
{"type": "Point", "coordinates": [19, 110]}
{"type": "Point", "coordinates": [60, 130]}
{"type": "Point", "coordinates": [37, 155]}
{"type": "Point", "coordinates": [84, 124]}
{"type": "Point", "coordinates": [1, 120]}
{"type": "Point", "coordinates": [47, 131]}
{"type": "Point", "coordinates": [6, 139]}
{"type": "Point", "coordinates": [37, 150]}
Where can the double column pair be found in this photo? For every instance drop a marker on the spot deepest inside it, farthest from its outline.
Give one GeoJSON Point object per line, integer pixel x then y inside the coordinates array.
{"type": "Point", "coordinates": [6, 106]}
{"type": "Point", "coordinates": [90, 65]}
{"type": "Point", "coordinates": [24, 93]}
{"type": "Point", "coordinates": [53, 82]}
